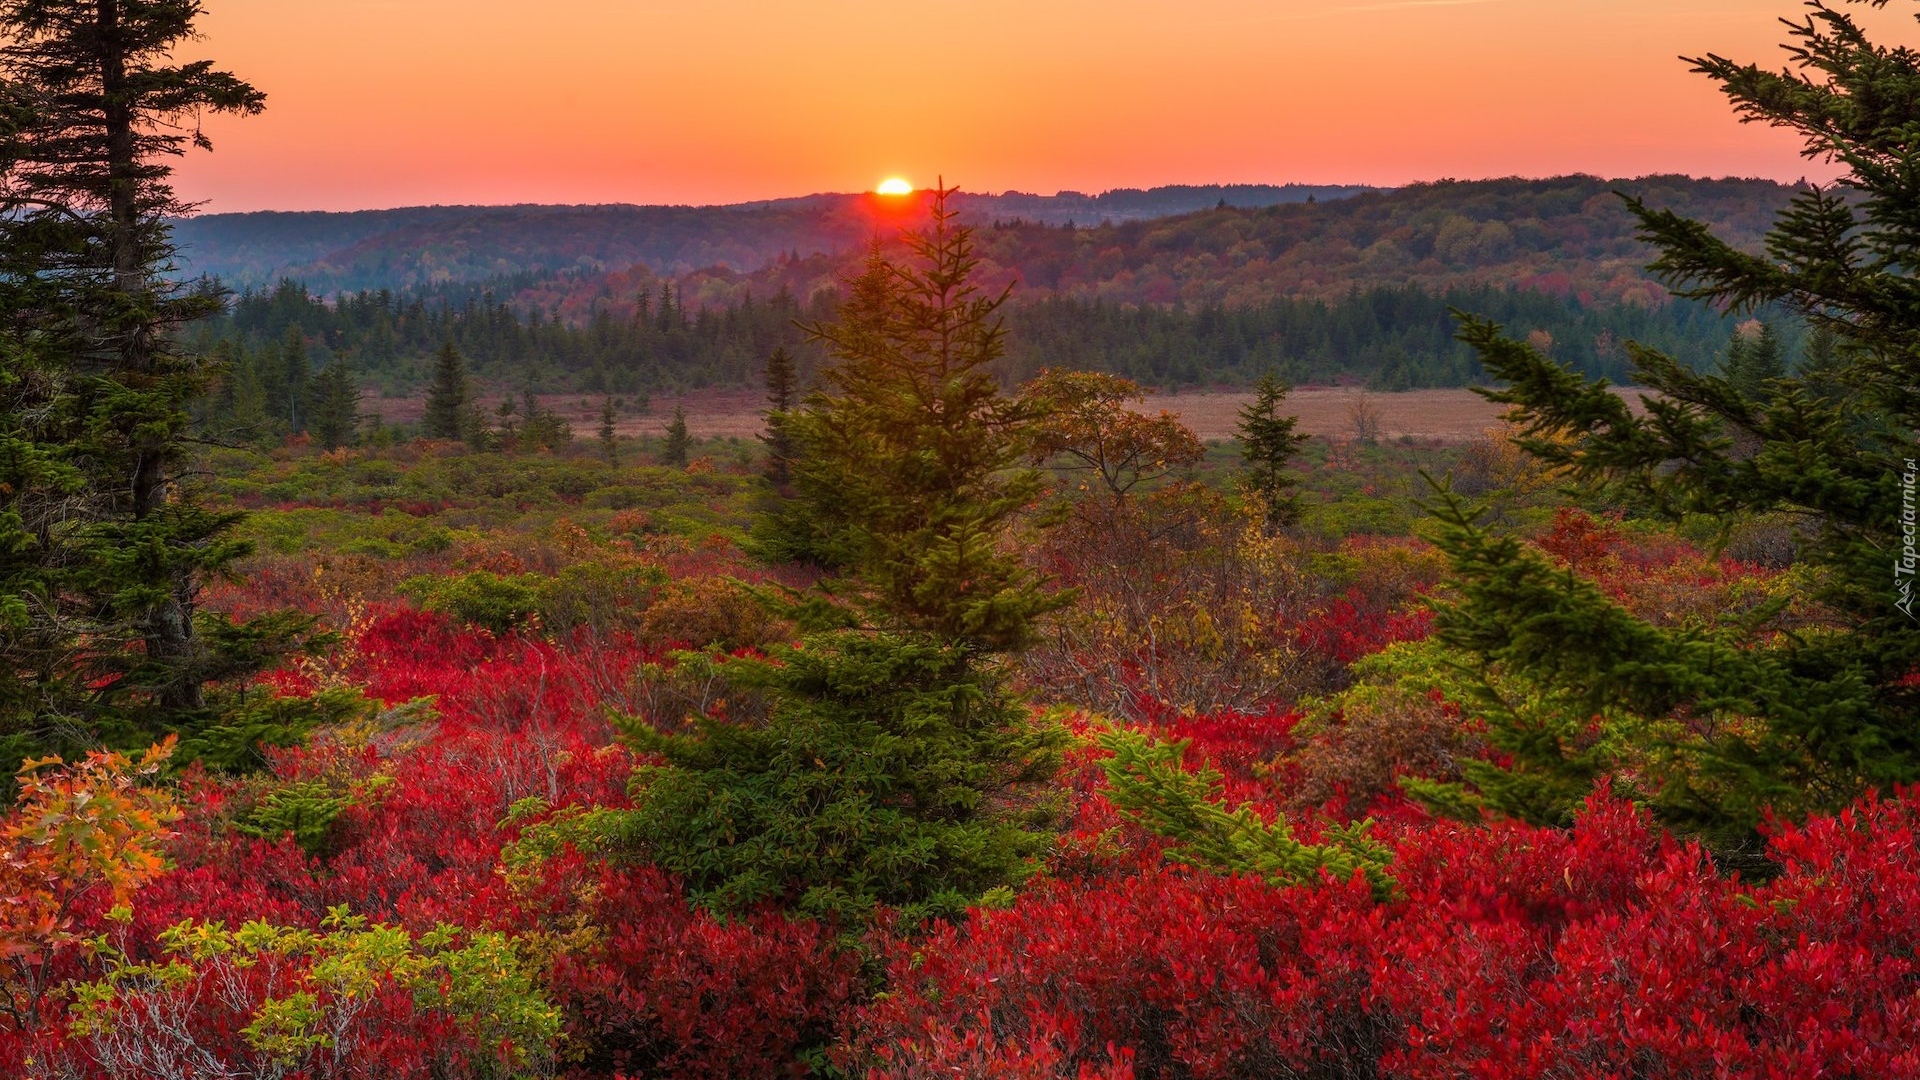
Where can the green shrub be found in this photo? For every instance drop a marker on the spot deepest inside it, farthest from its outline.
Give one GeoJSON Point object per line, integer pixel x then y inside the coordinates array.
{"type": "Point", "coordinates": [600, 597]}
{"type": "Point", "coordinates": [302, 1001]}
{"type": "Point", "coordinates": [376, 546]}
{"type": "Point", "coordinates": [1149, 784]}
{"type": "Point", "coordinates": [375, 472]}
{"type": "Point", "coordinates": [886, 771]}
{"type": "Point", "coordinates": [246, 722]}
{"type": "Point", "coordinates": [431, 540]}
{"type": "Point", "coordinates": [479, 598]}
{"type": "Point", "coordinates": [304, 808]}
{"type": "Point", "coordinates": [635, 497]}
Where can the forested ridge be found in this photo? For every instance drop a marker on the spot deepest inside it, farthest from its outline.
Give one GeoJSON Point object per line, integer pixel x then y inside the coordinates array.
{"type": "Point", "coordinates": [1564, 235]}
{"type": "Point", "coordinates": [416, 247]}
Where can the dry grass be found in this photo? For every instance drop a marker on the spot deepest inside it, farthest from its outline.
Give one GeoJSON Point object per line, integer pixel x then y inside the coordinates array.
{"type": "Point", "coordinates": [1444, 415]}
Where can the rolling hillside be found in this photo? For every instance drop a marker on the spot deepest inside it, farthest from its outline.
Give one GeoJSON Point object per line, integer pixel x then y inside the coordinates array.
{"type": "Point", "coordinates": [438, 245]}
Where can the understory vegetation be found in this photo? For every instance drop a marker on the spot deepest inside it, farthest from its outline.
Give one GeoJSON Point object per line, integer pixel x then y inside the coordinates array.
{"type": "Point", "coordinates": [545, 807]}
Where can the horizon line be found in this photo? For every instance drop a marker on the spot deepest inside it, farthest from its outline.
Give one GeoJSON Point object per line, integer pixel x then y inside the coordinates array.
{"type": "Point", "coordinates": [757, 203]}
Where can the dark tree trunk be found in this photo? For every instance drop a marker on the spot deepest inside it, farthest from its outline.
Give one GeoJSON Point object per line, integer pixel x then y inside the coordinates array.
{"type": "Point", "coordinates": [168, 628]}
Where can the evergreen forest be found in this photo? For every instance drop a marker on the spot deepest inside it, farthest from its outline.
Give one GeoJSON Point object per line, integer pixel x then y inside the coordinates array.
{"type": "Point", "coordinates": [1386, 337]}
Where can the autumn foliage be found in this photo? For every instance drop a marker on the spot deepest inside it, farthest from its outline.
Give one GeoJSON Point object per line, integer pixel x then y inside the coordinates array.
{"type": "Point", "coordinates": [77, 838]}
{"type": "Point", "coordinates": [421, 888]}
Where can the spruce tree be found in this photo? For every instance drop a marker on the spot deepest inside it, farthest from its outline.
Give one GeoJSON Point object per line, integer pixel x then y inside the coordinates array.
{"type": "Point", "coordinates": [541, 428]}
{"type": "Point", "coordinates": [294, 369]}
{"type": "Point", "coordinates": [1723, 723]}
{"type": "Point", "coordinates": [912, 454]}
{"type": "Point", "coordinates": [609, 436]}
{"type": "Point", "coordinates": [246, 394]}
{"type": "Point", "coordinates": [447, 396]}
{"type": "Point", "coordinates": [1753, 357]}
{"type": "Point", "coordinates": [548, 430]}
{"type": "Point", "coordinates": [888, 771]}
{"type": "Point", "coordinates": [669, 318]}
{"type": "Point", "coordinates": [888, 766]}
{"type": "Point", "coordinates": [675, 447]}
{"type": "Point", "coordinates": [478, 433]}
{"type": "Point", "coordinates": [782, 383]}
{"type": "Point", "coordinates": [41, 486]}
{"type": "Point", "coordinates": [108, 546]}
{"type": "Point", "coordinates": [334, 417]}
{"type": "Point", "coordinates": [1268, 444]}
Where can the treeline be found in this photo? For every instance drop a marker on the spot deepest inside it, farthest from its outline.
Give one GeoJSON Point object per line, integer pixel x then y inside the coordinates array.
{"type": "Point", "coordinates": [1390, 338]}
{"type": "Point", "coordinates": [280, 338]}
{"type": "Point", "coordinates": [276, 347]}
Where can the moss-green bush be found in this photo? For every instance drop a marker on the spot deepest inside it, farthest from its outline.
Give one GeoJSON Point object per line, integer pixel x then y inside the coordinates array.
{"type": "Point", "coordinates": [479, 598]}
{"type": "Point", "coordinates": [599, 597]}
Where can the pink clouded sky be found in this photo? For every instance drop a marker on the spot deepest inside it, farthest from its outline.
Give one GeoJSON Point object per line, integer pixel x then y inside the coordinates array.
{"type": "Point", "coordinates": [375, 103]}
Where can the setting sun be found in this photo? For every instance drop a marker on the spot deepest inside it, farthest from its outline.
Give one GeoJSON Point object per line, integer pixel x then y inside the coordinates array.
{"type": "Point", "coordinates": [893, 185]}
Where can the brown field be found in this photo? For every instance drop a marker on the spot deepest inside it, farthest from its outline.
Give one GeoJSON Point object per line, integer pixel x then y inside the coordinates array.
{"type": "Point", "coordinates": [1444, 415]}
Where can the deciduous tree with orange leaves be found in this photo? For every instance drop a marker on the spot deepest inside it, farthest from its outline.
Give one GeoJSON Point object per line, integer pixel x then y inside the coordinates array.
{"type": "Point", "coordinates": [75, 832]}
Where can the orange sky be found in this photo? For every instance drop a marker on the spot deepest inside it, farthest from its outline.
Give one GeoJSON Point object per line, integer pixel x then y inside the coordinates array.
{"type": "Point", "coordinates": [375, 103]}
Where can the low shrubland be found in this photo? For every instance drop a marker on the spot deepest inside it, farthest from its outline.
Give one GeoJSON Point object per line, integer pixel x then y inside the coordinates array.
{"type": "Point", "coordinates": [447, 876]}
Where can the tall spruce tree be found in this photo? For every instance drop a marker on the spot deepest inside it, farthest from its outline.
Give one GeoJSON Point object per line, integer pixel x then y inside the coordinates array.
{"type": "Point", "coordinates": [913, 453]}
{"type": "Point", "coordinates": [609, 435]}
{"type": "Point", "coordinates": [292, 383]}
{"type": "Point", "coordinates": [669, 318]}
{"type": "Point", "coordinates": [333, 415]}
{"type": "Point", "coordinates": [1268, 444]}
{"type": "Point", "coordinates": [1709, 727]}
{"type": "Point", "coordinates": [782, 384]}
{"type": "Point", "coordinates": [246, 394]}
{"type": "Point", "coordinates": [448, 396]}
{"type": "Point", "coordinates": [889, 767]}
{"type": "Point", "coordinates": [675, 447]}
{"type": "Point", "coordinates": [1753, 356]}
{"type": "Point", "coordinates": [104, 639]}
{"type": "Point", "coordinates": [42, 487]}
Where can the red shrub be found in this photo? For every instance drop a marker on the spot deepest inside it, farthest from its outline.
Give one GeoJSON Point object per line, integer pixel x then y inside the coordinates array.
{"type": "Point", "coordinates": [660, 989]}
{"type": "Point", "coordinates": [1605, 950]}
{"type": "Point", "coordinates": [1511, 951]}
{"type": "Point", "coordinates": [1174, 973]}
{"type": "Point", "coordinates": [1347, 629]}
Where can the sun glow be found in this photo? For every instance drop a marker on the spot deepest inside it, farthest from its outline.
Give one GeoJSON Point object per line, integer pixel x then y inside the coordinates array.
{"type": "Point", "coordinates": [893, 185]}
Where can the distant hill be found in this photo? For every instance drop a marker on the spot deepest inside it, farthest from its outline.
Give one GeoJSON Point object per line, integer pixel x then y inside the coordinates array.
{"type": "Point", "coordinates": [1567, 236]}
{"type": "Point", "coordinates": [440, 245]}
